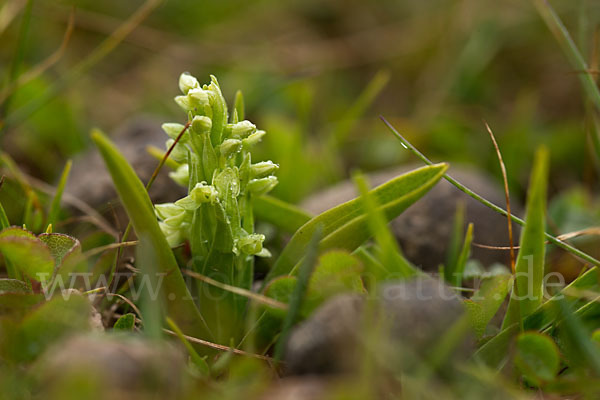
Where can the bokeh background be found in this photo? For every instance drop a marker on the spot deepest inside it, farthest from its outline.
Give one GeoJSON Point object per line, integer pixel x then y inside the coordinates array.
{"type": "Point", "coordinates": [316, 75]}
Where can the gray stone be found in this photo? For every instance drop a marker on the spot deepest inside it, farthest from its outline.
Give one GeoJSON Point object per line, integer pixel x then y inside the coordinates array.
{"type": "Point", "coordinates": [90, 181]}
{"type": "Point", "coordinates": [115, 366]}
{"type": "Point", "coordinates": [424, 229]}
{"type": "Point", "coordinates": [400, 327]}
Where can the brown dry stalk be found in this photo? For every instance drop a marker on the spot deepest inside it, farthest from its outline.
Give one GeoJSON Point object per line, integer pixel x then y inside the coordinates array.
{"type": "Point", "coordinates": [220, 346]}
{"type": "Point", "coordinates": [505, 179]}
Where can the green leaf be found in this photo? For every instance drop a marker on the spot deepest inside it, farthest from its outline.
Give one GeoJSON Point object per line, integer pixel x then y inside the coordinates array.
{"type": "Point", "coordinates": [575, 338]}
{"type": "Point", "coordinates": [494, 353]}
{"type": "Point", "coordinates": [454, 272]}
{"type": "Point", "coordinates": [528, 289]}
{"type": "Point", "coordinates": [27, 253]}
{"type": "Point", "coordinates": [390, 255]}
{"type": "Point", "coordinates": [60, 245]}
{"type": "Point", "coordinates": [546, 314]}
{"type": "Point", "coordinates": [484, 303]}
{"type": "Point", "coordinates": [180, 306]}
{"type": "Point", "coordinates": [537, 357]}
{"type": "Point", "coordinates": [12, 271]}
{"type": "Point", "coordinates": [345, 226]}
{"type": "Point", "coordinates": [125, 322]}
{"type": "Point", "coordinates": [283, 215]}
{"type": "Point", "coordinates": [13, 286]}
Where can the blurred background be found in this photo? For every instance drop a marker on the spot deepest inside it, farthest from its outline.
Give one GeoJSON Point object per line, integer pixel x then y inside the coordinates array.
{"type": "Point", "coordinates": [316, 76]}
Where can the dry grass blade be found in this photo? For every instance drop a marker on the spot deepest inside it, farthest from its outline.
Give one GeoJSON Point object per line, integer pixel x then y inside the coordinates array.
{"type": "Point", "coordinates": [93, 216]}
{"type": "Point", "coordinates": [220, 346]}
{"type": "Point", "coordinates": [8, 13]}
{"type": "Point", "coordinates": [105, 48]}
{"type": "Point", "coordinates": [44, 65]}
{"type": "Point", "coordinates": [507, 195]}
{"type": "Point", "coordinates": [237, 290]}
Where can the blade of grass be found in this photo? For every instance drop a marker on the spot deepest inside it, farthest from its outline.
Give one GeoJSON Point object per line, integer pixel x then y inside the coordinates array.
{"type": "Point", "coordinates": [40, 68]}
{"type": "Point", "coordinates": [304, 274]}
{"type": "Point", "coordinates": [529, 269]}
{"type": "Point", "coordinates": [18, 57]}
{"type": "Point", "coordinates": [105, 48]}
{"type": "Point", "coordinates": [555, 241]}
{"type": "Point", "coordinates": [134, 197]}
{"type": "Point", "coordinates": [574, 56]}
{"type": "Point", "coordinates": [456, 238]}
{"type": "Point", "coordinates": [55, 206]}
{"type": "Point", "coordinates": [198, 361]}
{"type": "Point", "coordinates": [454, 273]}
{"type": "Point", "coordinates": [577, 336]}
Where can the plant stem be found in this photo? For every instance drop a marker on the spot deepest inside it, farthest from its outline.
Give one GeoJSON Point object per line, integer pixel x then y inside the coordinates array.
{"type": "Point", "coordinates": [565, 246]}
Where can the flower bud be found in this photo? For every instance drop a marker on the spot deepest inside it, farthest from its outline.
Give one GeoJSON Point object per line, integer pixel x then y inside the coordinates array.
{"type": "Point", "coordinates": [201, 124]}
{"type": "Point", "coordinates": [187, 82]}
{"type": "Point", "coordinates": [198, 98]}
{"type": "Point", "coordinates": [251, 244]}
{"type": "Point", "coordinates": [253, 139]}
{"type": "Point", "coordinates": [181, 175]}
{"type": "Point", "coordinates": [242, 129]}
{"type": "Point", "coordinates": [167, 210]}
{"type": "Point", "coordinates": [230, 147]}
{"type": "Point", "coordinates": [184, 103]}
{"type": "Point", "coordinates": [201, 193]}
{"type": "Point", "coordinates": [173, 235]}
{"type": "Point", "coordinates": [179, 153]}
{"type": "Point", "coordinates": [262, 169]}
{"type": "Point", "coordinates": [262, 186]}
{"type": "Point", "coordinates": [173, 129]}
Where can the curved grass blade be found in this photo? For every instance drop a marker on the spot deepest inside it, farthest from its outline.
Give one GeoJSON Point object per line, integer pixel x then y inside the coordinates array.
{"type": "Point", "coordinates": [345, 226]}
{"type": "Point", "coordinates": [180, 306]}
{"type": "Point", "coordinates": [528, 286]}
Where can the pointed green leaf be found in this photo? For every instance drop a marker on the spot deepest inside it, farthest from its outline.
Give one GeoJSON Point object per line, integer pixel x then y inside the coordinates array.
{"type": "Point", "coordinates": [345, 226]}
{"type": "Point", "coordinates": [528, 288]}
{"type": "Point", "coordinates": [180, 305]}
{"type": "Point", "coordinates": [454, 272]}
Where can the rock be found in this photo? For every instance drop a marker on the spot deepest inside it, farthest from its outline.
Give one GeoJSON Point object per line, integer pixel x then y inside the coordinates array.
{"type": "Point", "coordinates": [322, 344]}
{"type": "Point", "coordinates": [424, 229]}
{"type": "Point", "coordinates": [111, 367]}
{"type": "Point", "coordinates": [308, 388]}
{"type": "Point", "coordinates": [410, 316]}
{"type": "Point", "coordinates": [90, 181]}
